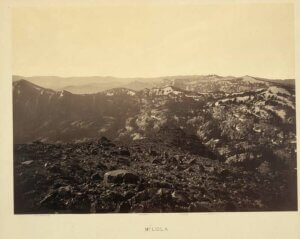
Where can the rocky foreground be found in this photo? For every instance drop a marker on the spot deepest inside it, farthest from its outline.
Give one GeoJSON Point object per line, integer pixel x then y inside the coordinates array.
{"type": "Point", "coordinates": [102, 177]}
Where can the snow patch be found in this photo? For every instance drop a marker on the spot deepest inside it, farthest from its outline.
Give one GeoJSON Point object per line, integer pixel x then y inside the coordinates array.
{"type": "Point", "coordinates": [128, 128]}
{"type": "Point", "coordinates": [244, 98]}
{"type": "Point", "coordinates": [250, 79]}
{"type": "Point", "coordinates": [166, 91]}
{"type": "Point", "coordinates": [276, 90]}
{"type": "Point", "coordinates": [280, 113]}
{"type": "Point", "coordinates": [62, 93]}
{"type": "Point", "coordinates": [137, 136]}
{"type": "Point", "coordinates": [256, 129]}
{"type": "Point", "coordinates": [37, 88]}
{"type": "Point", "coordinates": [131, 93]}
{"type": "Point", "coordinates": [102, 130]}
{"type": "Point", "coordinates": [269, 94]}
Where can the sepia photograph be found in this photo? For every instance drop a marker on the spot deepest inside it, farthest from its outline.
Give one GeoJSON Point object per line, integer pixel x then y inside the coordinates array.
{"type": "Point", "coordinates": [154, 108]}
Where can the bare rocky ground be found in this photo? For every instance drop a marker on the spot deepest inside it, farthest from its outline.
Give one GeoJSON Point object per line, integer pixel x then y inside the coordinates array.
{"type": "Point", "coordinates": [104, 177]}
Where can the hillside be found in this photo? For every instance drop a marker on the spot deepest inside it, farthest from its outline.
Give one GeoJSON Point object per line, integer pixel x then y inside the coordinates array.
{"type": "Point", "coordinates": [245, 125]}
{"type": "Point", "coordinates": [102, 177]}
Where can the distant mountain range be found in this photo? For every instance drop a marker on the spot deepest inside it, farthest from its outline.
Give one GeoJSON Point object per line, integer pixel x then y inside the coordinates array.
{"type": "Point", "coordinates": [95, 84]}
{"type": "Point", "coordinates": [239, 119]}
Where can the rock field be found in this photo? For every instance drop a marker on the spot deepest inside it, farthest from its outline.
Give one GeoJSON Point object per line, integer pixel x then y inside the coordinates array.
{"type": "Point", "coordinates": [106, 177]}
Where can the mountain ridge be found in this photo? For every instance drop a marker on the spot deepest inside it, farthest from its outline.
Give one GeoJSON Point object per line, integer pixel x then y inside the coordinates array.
{"type": "Point", "coordinates": [231, 144]}
{"type": "Point", "coordinates": [94, 84]}
{"type": "Point", "coordinates": [226, 122]}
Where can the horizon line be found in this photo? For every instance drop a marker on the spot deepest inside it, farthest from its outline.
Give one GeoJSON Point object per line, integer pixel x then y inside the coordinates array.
{"type": "Point", "coordinates": [153, 77]}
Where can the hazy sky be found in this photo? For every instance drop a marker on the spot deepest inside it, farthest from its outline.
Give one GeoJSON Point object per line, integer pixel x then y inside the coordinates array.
{"type": "Point", "coordinates": [146, 40]}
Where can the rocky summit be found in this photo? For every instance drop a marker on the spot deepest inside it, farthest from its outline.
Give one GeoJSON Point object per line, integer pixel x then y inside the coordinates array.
{"type": "Point", "coordinates": [185, 144]}
{"type": "Point", "coordinates": [97, 177]}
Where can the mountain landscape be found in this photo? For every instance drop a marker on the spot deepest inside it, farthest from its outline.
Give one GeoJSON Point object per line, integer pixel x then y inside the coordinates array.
{"type": "Point", "coordinates": [168, 144]}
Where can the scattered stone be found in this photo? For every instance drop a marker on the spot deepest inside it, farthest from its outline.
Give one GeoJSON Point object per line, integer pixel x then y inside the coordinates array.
{"type": "Point", "coordinates": [142, 196]}
{"type": "Point", "coordinates": [129, 194]}
{"type": "Point", "coordinates": [123, 207]}
{"type": "Point", "coordinates": [115, 196]}
{"type": "Point", "coordinates": [28, 162]}
{"type": "Point", "coordinates": [48, 198]}
{"type": "Point", "coordinates": [54, 169]}
{"type": "Point", "coordinates": [162, 191]}
{"type": "Point", "coordinates": [155, 161]}
{"type": "Point", "coordinates": [65, 190]}
{"type": "Point", "coordinates": [93, 207]}
{"type": "Point", "coordinates": [178, 158]}
{"type": "Point", "coordinates": [224, 173]}
{"type": "Point", "coordinates": [96, 177]}
{"type": "Point", "coordinates": [137, 182]}
{"type": "Point", "coordinates": [210, 169]}
{"type": "Point", "coordinates": [264, 168]}
{"type": "Point", "coordinates": [124, 161]}
{"type": "Point", "coordinates": [121, 176]}
{"type": "Point", "coordinates": [180, 197]}
{"type": "Point", "coordinates": [101, 166]}
{"type": "Point", "coordinates": [153, 153]}
{"type": "Point", "coordinates": [124, 152]}
{"type": "Point", "coordinates": [191, 161]}
{"type": "Point", "coordinates": [230, 206]}
{"type": "Point", "coordinates": [64, 157]}
{"type": "Point", "coordinates": [165, 155]}
{"type": "Point", "coordinates": [103, 140]}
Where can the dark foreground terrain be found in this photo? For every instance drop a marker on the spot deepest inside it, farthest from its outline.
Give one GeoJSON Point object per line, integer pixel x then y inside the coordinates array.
{"type": "Point", "coordinates": [102, 177]}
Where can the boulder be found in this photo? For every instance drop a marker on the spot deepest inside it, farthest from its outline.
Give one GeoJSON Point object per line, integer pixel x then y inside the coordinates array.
{"type": "Point", "coordinates": [120, 176]}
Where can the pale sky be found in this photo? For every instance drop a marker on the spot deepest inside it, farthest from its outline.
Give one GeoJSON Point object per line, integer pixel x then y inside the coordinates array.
{"type": "Point", "coordinates": [148, 40]}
